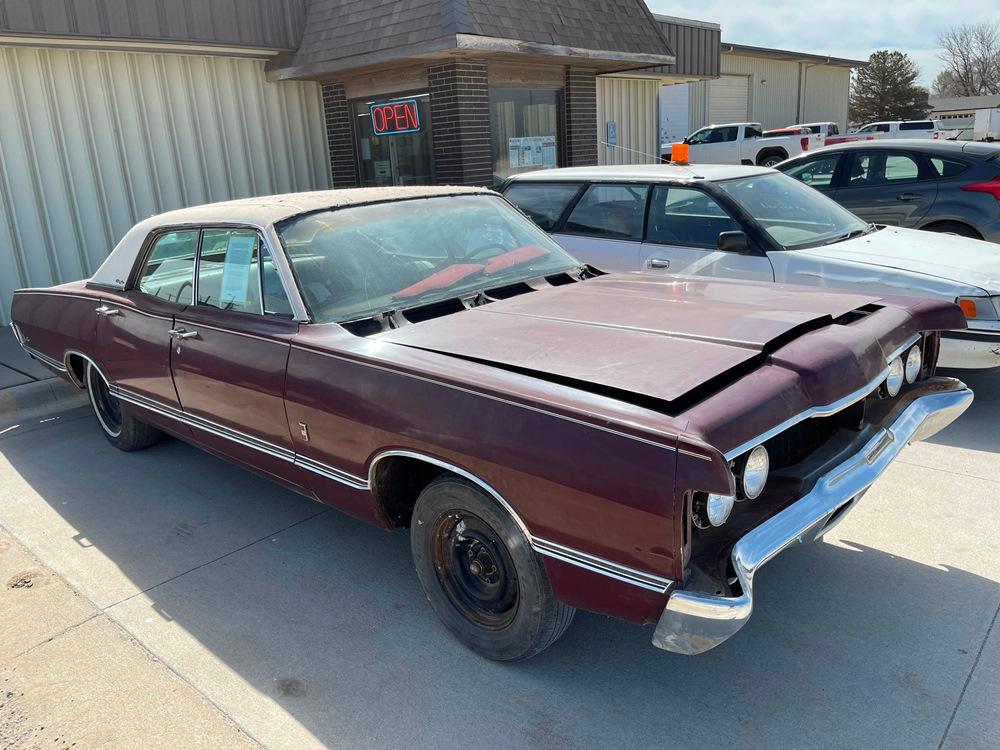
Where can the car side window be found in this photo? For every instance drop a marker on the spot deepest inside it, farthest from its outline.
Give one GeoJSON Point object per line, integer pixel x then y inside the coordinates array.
{"type": "Point", "coordinates": [901, 168]}
{"type": "Point", "coordinates": [275, 300]}
{"type": "Point", "coordinates": [752, 132]}
{"type": "Point", "coordinates": [169, 270]}
{"type": "Point", "coordinates": [544, 203]}
{"type": "Point", "coordinates": [833, 130]}
{"type": "Point", "coordinates": [687, 217]}
{"type": "Point", "coordinates": [882, 128]}
{"type": "Point", "coordinates": [724, 135]}
{"type": "Point", "coordinates": [868, 170]}
{"type": "Point", "coordinates": [613, 211]}
{"type": "Point", "coordinates": [700, 136]}
{"type": "Point", "coordinates": [229, 275]}
{"type": "Point", "coordinates": [947, 167]}
{"type": "Point", "coordinates": [817, 173]}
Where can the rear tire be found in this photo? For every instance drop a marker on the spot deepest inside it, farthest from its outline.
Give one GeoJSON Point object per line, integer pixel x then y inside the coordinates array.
{"type": "Point", "coordinates": [480, 574]}
{"type": "Point", "coordinates": [122, 430]}
{"type": "Point", "coordinates": [771, 160]}
{"type": "Point", "coordinates": [956, 228]}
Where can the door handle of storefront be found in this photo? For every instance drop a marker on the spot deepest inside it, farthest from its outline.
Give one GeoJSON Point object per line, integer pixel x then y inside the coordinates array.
{"type": "Point", "coordinates": [180, 333]}
{"type": "Point", "coordinates": [657, 263]}
{"type": "Point", "coordinates": [107, 311]}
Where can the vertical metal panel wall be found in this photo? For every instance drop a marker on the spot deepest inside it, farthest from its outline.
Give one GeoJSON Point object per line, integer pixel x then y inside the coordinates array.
{"type": "Point", "coordinates": [633, 105]}
{"type": "Point", "coordinates": [826, 94]}
{"type": "Point", "coordinates": [92, 141]}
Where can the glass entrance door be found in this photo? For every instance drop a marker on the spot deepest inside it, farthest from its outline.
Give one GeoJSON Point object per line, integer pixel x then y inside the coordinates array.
{"type": "Point", "coordinates": [395, 158]}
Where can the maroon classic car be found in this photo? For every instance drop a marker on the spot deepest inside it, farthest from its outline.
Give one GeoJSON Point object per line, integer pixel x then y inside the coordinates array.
{"type": "Point", "coordinates": [554, 437]}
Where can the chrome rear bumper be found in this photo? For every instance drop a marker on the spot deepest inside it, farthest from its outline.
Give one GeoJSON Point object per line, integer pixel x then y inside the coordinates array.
{"type": "Point", "coordinates": [694, 622]}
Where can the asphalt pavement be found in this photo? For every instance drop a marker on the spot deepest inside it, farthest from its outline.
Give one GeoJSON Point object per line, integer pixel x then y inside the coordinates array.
{"type": "Point", "coordinates": [305, 627]}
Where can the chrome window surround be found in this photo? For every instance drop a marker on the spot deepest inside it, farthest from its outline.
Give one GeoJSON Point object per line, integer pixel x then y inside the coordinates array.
{"type": "Point", "coordinates": [824, 411]}
{"type": "Point", "coordinates": [694, 622]}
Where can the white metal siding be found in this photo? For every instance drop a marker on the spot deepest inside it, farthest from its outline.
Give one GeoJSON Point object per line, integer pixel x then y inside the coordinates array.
{"type": "Point", "coordinates": [674, 113]}
{"type": "Point", "coordinates": [91, 142]}
{"type": "Point", "coordinates": [729, 99]}
{"type": "Point", "coordinates": [632, 104]}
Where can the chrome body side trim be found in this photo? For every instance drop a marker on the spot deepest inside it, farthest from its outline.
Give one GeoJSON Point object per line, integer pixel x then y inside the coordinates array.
{"type": "Point", "coordinates": [325, 470]}
{"type": "Point", "coordinates": [17, 333]}
{"type": "Point", "coordinates": [544, 547]}
{"type": "Point", "coordinates": [43, 358]}
{"type": "Point", "coordinates": [695, 621]}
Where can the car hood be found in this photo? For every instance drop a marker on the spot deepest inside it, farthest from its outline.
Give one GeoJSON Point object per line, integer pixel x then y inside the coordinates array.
{"type": "Point", "coordinates": [959, 259]}
{"type": "Point", "coordinates": [646, 339]}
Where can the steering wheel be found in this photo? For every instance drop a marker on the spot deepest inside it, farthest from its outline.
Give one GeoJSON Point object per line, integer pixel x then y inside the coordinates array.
{"type": "Point", "coordinates": [180, 291]}
{"type": "Point", "coordinates": [485, 248]}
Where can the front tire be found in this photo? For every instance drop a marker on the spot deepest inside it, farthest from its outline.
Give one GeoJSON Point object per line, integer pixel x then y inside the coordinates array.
{"type": "Point", "coordinates": [480, 574]}
{"type": "Point", "coordinates": [122, 430]}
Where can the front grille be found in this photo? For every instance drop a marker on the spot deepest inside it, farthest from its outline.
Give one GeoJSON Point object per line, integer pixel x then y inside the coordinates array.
{"type": "Point", "coordinates": [798, 442]}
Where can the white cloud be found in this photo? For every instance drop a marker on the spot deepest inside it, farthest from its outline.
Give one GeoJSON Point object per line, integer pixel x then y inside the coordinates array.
{"type": "Point", "coordinates": [842, 28]}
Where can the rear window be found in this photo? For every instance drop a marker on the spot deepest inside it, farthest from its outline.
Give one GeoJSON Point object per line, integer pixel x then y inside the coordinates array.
{"type": "Point", "coordinates": [947, 167]}
{"type": "Point", "coordinates": [544, 203]}
{"type": "Point", "coordinates": [919, 125]}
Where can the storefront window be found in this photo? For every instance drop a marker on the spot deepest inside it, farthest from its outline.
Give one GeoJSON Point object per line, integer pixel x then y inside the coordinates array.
{"type": "Point", "coordinates": [403, 153]}
{"type": "Point", "coordinates": [525, 127]}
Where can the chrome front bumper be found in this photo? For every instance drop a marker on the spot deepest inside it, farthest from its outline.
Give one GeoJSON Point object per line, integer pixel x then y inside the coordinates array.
{"type": "Point", "coordinates": [694, 622]}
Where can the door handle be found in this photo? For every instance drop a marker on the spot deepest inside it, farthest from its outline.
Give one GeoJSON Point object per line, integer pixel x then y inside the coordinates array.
{"type": "Point", "coordinates": [180, 333]}
{"type": "Point", "coordinates": [657, 263]}
{"type": "Point", "coordinates": [106, 311]}
{"type": "Point", "coordinates": [907, 197]}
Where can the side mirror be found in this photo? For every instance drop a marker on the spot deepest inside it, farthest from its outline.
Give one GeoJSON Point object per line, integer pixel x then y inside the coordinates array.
{"type": "Point", "coordinates": [734, 242]}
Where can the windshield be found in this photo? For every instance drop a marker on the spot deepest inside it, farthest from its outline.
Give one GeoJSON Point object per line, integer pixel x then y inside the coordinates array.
{"type": "Point", "coordinates": [793, 214]}
{"type": "Point", "coordinates": [351, 263]}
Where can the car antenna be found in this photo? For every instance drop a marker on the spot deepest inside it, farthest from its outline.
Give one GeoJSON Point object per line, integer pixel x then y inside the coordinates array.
{"type": "Point", "coordinates": [656, 159]}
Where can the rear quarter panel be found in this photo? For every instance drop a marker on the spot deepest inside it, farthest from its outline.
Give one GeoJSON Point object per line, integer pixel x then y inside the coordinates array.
{"type": "Point", "coordinates": [57, 319]}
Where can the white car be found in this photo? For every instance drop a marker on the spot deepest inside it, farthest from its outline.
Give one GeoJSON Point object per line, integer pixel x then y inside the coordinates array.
{"type": "Point", "coordinates": [755, 223]}
{"type": "Point", "coordinates": [744, 143]}
{"type": "Point", "coordinates": [901, 129]}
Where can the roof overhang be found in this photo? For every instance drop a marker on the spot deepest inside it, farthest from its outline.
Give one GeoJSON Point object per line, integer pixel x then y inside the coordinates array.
{"type": "Point", "coordinates": [163, 46]}
{"type": "Point", "coordinates": [784, 54]}
{"type": "Point", "coordinates": [468, 46]}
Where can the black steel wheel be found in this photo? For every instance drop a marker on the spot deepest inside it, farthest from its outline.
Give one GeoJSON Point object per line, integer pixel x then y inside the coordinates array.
{"type": "Point", "coordinates": [480, 574]}
{"type": "Point", "coordinates": [121, 428]}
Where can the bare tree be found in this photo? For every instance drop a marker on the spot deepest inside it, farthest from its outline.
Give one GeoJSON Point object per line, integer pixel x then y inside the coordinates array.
{"type": "Point", "coordinates": [971, 54]}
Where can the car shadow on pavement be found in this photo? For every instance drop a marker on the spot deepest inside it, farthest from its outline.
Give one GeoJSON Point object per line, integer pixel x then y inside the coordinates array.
{"type": "Point", "coordinates": [977, 428]}
{"type": "Point", "coordinates": [282, 615]}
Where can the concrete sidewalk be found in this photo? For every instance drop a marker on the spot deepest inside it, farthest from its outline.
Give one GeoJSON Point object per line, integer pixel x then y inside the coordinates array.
{"type": "Point", "coordinates": [26, 384]}
{"type": "Point", "coordinates": [71, 677]}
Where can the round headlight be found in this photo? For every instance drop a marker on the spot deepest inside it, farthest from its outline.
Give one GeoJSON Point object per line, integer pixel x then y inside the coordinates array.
{"type": "Point", "coordinates": [755, 472]}
{"type": "Point", "coordinates": [913, 363]}
{"type": "Point", "coordinates": [895, 380]}
{"type": "Point", "coordinates": [718, 508]}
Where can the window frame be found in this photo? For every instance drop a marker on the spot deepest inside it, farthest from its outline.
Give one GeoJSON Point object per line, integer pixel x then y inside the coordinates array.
{"type": "Point", "coordinates": [842, 157]}
{"type": "Point", "coordinates": [585, 186]}
{"type": "Point", "coordinates": [698, 189]}
{"type": "Point", "coordinates": [925, 170]}
{"type": "Point", "coordinates": [149, 243]}
{"type": "Point", "coordinates": [560, 220]}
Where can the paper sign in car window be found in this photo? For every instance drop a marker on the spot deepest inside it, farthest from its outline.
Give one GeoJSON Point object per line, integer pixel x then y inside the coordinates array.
{"type": "Point", "coordinates": [236, 275]}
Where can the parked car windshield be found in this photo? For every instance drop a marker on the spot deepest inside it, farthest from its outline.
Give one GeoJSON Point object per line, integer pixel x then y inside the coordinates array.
{"type": "Point", "coordinates": [793, 214]}
{"type": "Point", "coordinates": [355, 262]}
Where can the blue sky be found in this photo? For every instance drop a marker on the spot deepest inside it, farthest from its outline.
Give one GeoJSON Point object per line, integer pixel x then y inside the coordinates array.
{"type": "Point", "coordinates": [843, 28]}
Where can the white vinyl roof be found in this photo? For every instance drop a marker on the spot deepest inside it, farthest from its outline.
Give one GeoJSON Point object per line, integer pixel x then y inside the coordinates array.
{"type": "Point", "coordinates": [647, 172]}
{"type": "Point", "coordinates": [255, 212]}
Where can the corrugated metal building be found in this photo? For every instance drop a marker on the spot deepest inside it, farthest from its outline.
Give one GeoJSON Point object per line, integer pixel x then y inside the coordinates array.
{"type": "Point", "coordinates": [116, 110]}
{"type": "Point", "coordinates": [773, 87]}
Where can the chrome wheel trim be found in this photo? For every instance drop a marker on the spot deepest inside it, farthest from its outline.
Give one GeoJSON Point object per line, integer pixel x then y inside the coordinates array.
{"type": "Point", "coordinates": [94, 378]}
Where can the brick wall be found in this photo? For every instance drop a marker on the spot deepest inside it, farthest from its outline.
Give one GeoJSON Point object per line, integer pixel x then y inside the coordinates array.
{"type": "Point", "coordinates": [581, 117]}
{"type": "Point", "coordinates": [340, 137]}
{"type": "Point", "coordinates": [460, 121]}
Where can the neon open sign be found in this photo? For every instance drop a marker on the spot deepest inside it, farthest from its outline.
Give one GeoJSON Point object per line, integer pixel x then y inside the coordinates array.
{"type": "Point", "coordinates": [393, 118]}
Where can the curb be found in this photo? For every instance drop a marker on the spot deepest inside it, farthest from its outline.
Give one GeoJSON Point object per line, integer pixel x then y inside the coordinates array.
{"type": "Point", "coordinates": [40, 393]}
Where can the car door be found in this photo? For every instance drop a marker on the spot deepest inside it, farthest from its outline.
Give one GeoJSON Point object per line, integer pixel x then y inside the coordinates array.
{"type": "Point", "coordinates": [230, 351]}
{"type": "Point", "coordinates": [134, 325]}
{"type": "Point", "coordinates": [819, 172]}
{"type": "Point", "coordinates": [682, 236]}
{"type": "Point", "coordinates": [888, 187]}
{"type": "Point", "coordinates": [605, 226]}
{"type": "Point", "coordinates": [721, 146]}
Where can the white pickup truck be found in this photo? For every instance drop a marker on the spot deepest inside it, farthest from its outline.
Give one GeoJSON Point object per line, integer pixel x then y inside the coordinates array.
{"type": "Point", "coordinates": [744, 143]}
{"type": "Point", "coordinates": [900, 129]}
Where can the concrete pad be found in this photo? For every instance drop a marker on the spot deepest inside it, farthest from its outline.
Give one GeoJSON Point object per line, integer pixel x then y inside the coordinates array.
{"type": "Point", "coordinates": [93, 687]}
{"type": "Point", "coordinates": [14, 357]}
{"type": "Point", "coordinates": [976, 723]}
{"type": "Point", "coordinates": [10, 378]}
{"type": "Point", "coordinates": [36, 604]}
{"type": "Point", "coordinates": [116, 523]}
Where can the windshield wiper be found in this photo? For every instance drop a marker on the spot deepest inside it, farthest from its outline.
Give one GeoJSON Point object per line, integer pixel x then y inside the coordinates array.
{"type": "Point", "coordinates": [869, 228]}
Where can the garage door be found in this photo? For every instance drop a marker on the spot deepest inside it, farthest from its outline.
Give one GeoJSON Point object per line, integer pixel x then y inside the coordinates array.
{"type": "Point", "coordinates": [674, 124]}
{"type": "Point", "coordinates": [728, 99]}
{"type": "Point", "coordinates": [92, 141]}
